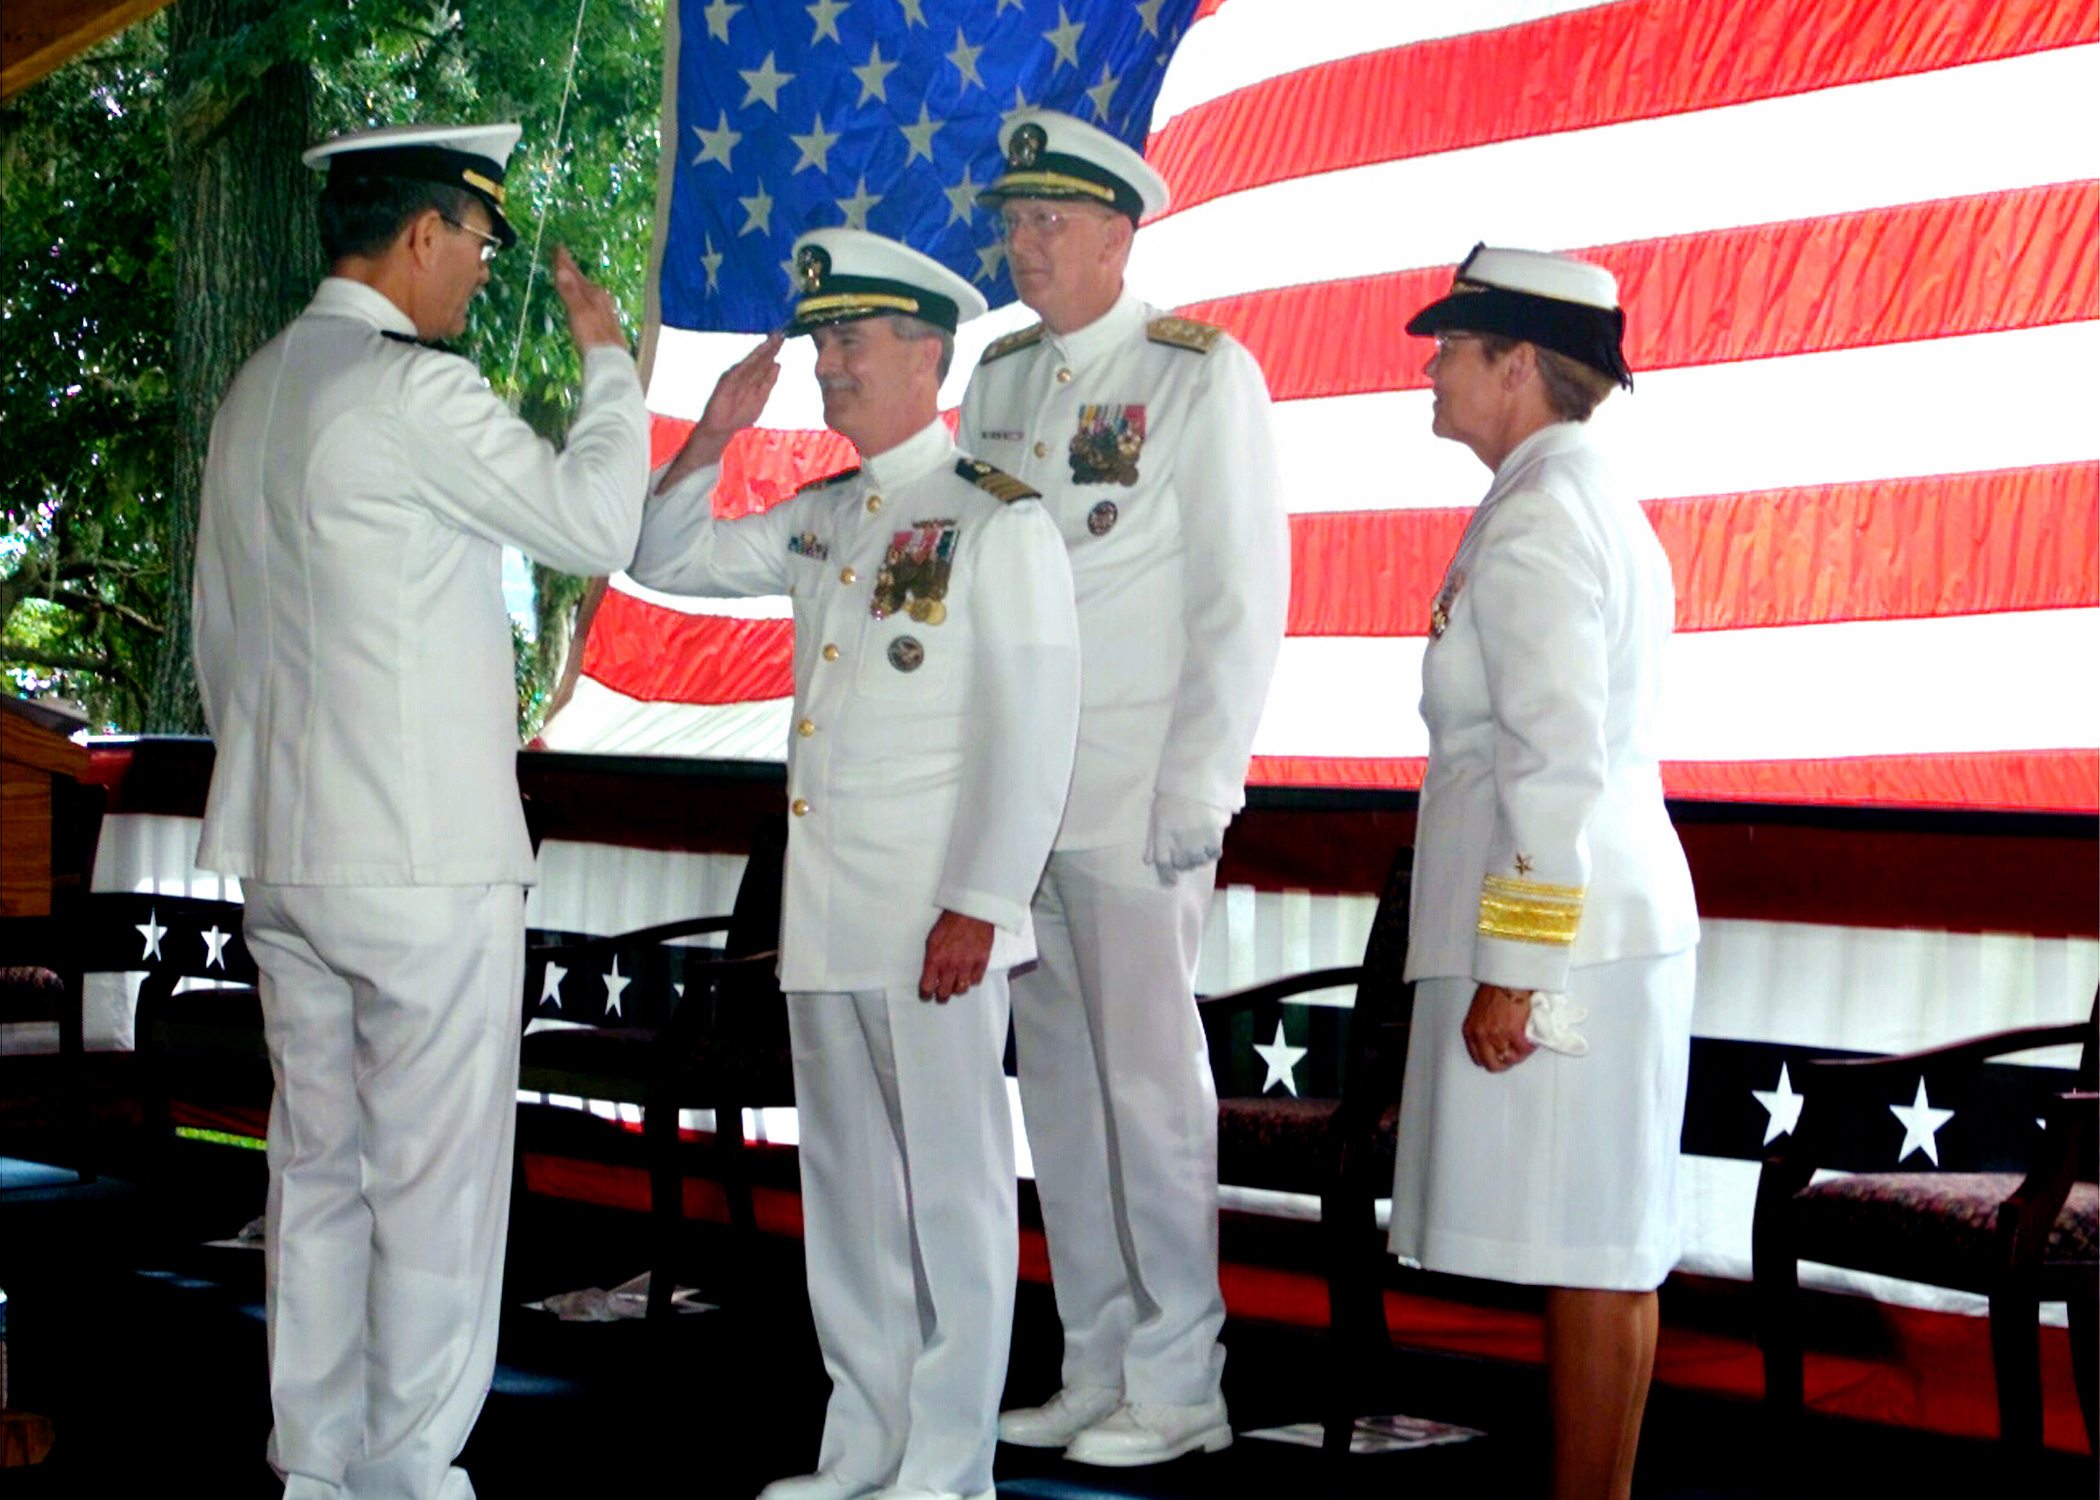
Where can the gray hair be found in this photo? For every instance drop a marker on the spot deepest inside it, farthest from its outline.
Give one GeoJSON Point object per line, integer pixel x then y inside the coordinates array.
{"type": "Point", "coordinates": [1573, 389]}
{"type": "Point", "coordinates": [912, 329]}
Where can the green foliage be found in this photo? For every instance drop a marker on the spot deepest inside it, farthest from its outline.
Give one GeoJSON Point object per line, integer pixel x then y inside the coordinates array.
{"type": "Point", "coordinates": [87, 312]}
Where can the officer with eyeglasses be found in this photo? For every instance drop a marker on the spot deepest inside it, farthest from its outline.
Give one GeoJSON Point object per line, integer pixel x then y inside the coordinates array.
{"type": "Point", "coordinates": [356, 664]}
{"type": "Point", "coordinates": [1149, 439]}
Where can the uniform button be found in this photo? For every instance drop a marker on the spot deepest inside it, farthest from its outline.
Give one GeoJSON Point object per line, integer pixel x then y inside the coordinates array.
{"type": "Point", "coordinates": [831, 653]}
{"type": "Point", "coordinates": [1042, 450]}
{"type": "Point", "coordinates": [800, 807]}
{"type": "Point", "coordinates": [806, 728]}
{"type": "Point", "coordinates": [847, 575]}
{"type": "Point", "coordinates": [874, 502]}
{"type": "Point", "coordinates": [1064, 377]}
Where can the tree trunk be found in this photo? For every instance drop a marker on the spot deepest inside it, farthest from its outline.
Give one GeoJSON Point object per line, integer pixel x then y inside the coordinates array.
{"type": "Point", "coordinates": [247, 254]}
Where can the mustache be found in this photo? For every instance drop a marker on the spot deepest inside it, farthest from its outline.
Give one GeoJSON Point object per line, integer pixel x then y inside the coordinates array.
{"type": "Point", "coordinates": [837, 384]}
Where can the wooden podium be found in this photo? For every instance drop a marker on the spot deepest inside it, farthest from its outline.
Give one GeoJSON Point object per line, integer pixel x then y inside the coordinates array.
{"type": "Point", "coordinates": [34, 755]}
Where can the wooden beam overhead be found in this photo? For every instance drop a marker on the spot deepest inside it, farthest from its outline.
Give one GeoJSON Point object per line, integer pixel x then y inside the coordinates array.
{"type": "Point", "coordinates": [37, 35]}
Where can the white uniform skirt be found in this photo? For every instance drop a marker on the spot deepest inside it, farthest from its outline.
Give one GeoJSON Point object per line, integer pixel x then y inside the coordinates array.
{"type": "Point", "coordinates": [1563, 1170]}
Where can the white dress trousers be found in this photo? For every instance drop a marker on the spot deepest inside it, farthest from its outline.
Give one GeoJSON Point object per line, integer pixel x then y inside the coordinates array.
{"type": "Point", "coordinates": [909, 1227]}
{"type": "Point", "coordinates": [1123, 1124]}
{"type": "Point", "coordinates": [391, 1016]}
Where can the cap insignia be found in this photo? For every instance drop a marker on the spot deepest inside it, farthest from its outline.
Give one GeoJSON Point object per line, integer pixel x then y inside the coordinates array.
{"type": "Point", "coordinates": [1025, 145]}
{"type": "Point", "coordinates": [812, 265]}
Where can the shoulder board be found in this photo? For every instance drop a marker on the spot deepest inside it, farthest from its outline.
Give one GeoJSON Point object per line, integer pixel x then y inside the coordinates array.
{"type": "Point", "coordinates": [1184, 333]}
{"type": "Point", "coordinates": [1001, 347]}
{"type": "Point", "coordinates": [415, 343]}
{"type": "Point", "coordinates": [830, 479]}
{"type": "Point", "coordinates": [997, 483]}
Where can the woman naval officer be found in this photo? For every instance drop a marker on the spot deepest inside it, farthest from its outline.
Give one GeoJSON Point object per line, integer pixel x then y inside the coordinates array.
{"type": "Point", "coordinates": [1549, 888]}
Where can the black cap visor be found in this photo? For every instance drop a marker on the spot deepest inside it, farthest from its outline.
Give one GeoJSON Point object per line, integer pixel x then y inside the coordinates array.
{"type": "Point", "coordinates": [1590, 335]}
{"type": "Point", "coordinates": [459, 169]}
{"type": "Point", "coordinates": [848, 299]}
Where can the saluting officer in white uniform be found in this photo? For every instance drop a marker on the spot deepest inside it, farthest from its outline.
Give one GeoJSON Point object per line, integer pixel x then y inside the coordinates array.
{"type": "Point", "coordinates": [936, 701]}
{"type": "Point", "coordinates": [1553, 932]}
{"type": "Point", "coordinates": [1149, 437]}
{"type": "Point", "coordinates": [355, 659]}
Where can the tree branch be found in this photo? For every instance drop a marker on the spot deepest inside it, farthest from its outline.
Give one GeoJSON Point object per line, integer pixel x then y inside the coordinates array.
{"type": "Point", "coordinates": [88, 604]}
{"type": "Point", "coordinates": [58, 661]}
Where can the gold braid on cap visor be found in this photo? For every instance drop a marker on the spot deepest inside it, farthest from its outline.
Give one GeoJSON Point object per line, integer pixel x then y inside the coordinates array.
{"type": "Point", "coordinates": [1530, 911]}
{"type": "Point", "coordinates": [474, 179]}
{"type": "Point", "coordinates": [855, 302]}
{"type": "Point", "coordinates": [1015, 183]}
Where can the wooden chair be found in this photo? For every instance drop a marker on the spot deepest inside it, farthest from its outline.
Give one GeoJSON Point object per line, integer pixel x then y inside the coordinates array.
{"type": "Point", "coordinates": [2011, 1215]}
{"type": "Point", "coordinates": [670, 1026]}
{"type": "Point", "coordinates": [1338, 1147]}
{"type": "Point", "coordinates": [43, 977]}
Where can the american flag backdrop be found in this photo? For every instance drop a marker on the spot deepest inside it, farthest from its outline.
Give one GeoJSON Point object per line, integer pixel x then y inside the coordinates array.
{"type": "Point", "coordinates": [1859, 246]}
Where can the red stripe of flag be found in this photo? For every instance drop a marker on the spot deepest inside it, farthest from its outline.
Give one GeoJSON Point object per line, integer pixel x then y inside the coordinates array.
{"type": "Point", "coordinates": [2019, 259]}
{"type": "Point", "coordinates": [2036, 780]}
{"type": "Point", "coordinates": [662, 656]}
{"type": "Point", "coordinates": [1612, 63]}
{"type": "Point", "coordinates": [1955, 544]}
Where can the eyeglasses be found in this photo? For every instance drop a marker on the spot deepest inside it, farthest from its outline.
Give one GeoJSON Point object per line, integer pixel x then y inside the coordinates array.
{"type": "Point", "coordinates": [1445, 340]}
{"type": "Point", "coordinates": [1040, 222]}
{"type": "Point", "coordinates": [490, 244]}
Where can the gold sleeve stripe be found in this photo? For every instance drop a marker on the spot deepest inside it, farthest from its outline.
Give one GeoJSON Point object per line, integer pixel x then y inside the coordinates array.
{"type": "Point", "coordinates": [1529, 912]}
{"type": "Point", "coordinates": [1506, 885]}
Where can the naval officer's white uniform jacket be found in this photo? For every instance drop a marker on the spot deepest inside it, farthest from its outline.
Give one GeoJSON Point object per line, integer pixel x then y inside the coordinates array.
{"type": "Point", "coordinates": [356, 664]}
{"type": "Point", "coordinates": [1149, 439]}
{"type": "Point", "coordinates": [930, 755]}
{"type": "Point", "coordinates": [351, 639]}
{"type": "Point", "coordinates": [1542, 841]}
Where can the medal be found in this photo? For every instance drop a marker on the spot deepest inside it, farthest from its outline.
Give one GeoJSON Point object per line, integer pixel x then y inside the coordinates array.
{"type": "Point", "coordinates": [906, 653]}
{"type": "Point", "coordinates": [1102, 518]}
{"type": "Point", "coordinates": [1105, 449]}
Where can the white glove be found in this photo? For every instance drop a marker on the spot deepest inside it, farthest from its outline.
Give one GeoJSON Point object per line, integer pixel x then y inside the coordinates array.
{"type": "Point", "coordinates": [1553, 1021]}
{"type": "Point", "coordinates": [1185, 834]}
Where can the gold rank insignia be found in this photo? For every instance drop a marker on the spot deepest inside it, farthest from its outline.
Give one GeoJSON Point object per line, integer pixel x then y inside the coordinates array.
{"type": "Point", "coordinates": [997, 483]}
{"type": "Point", "coordinates": [1530, 911]}
{"type": "Point", "coordinates": [914, 575]}
{"type": "Point", "coordinates": [830, 479]}
{"type": "Point", "coordinates": [1184, 333]}
{"type": "Point", "coordinates": [1440, 607]}
{"type": "Point", "coordinates": [1105, 449]}
{"type": "Point", "coordinates": [1012, 343]}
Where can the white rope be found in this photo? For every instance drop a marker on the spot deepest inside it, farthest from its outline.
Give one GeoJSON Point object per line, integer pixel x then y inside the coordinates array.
{"type": "Point", "coordinates": [532, 266]}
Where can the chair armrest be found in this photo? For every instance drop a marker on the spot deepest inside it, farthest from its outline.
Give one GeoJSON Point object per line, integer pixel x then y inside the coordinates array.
{"type": "Point", "coordinates": [640, 937]}
{"type": "Point", "coordinates": [1277, 989]}
{"type": "Point", "coordinates": [1852, 1075]}
{"type": "Point", "coordinates": [2025, 1218]}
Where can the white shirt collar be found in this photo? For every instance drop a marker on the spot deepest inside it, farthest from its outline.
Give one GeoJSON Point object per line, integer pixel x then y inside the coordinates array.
{"type": "Point", "coordinates": [919, 454]}
{"type": "Point", "coordinates": [340, 297]}
{"type": "Point", "coordinates": [1113, 327]}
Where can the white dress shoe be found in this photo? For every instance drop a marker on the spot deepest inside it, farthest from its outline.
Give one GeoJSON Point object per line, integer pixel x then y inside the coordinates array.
{"type": "Point", "coordinates": [819, 1486]}
{"type": "Point", "coordinates": [1060, 1419]}
{"type": "Point", "coordinates": [1135, 1434]}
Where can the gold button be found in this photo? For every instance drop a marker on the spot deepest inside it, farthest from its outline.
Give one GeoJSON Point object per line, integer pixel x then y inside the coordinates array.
{"type": "Point", "coordinates": [800, 807]}
{"type": "Point", "coordinates": [847, 575]}
{"type": "Point", "coordinates": [1042, 450]}
{"type": "Point", "coordinates": [1064, 377]}
{"type": "Point", "coordinates": [874, 503]}
{"type": "Point", "coordinates": [806, 728]}
{"type": "Point", "coordinates": [831, 653]}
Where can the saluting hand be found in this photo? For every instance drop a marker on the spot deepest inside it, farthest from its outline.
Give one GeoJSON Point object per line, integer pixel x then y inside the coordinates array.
{"type": "Point", "coordinates": [957, 952]}
{"type": "Point", "coordinates": [738, 398]}
{"type": "Point", "coordinates": [594, 318]}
